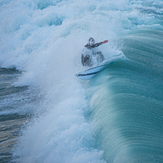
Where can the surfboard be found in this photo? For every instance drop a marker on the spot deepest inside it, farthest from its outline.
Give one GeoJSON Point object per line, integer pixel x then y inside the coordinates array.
{"type": "Point", "coordinates": [91, 72]}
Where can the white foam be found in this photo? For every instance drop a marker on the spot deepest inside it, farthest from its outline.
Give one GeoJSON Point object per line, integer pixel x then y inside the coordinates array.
{"type": "Point", "coordinates": [44, 40]}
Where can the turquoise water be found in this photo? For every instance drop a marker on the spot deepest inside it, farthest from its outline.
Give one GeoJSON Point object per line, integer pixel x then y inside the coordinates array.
{"type": "Point", "coordinates": [127, 106]}
{"type": "Point", "coordinates": [48, 115]}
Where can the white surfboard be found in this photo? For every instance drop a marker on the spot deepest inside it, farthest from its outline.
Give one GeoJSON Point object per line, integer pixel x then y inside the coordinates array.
{"type": "Point", "coordinates": [90, 73]}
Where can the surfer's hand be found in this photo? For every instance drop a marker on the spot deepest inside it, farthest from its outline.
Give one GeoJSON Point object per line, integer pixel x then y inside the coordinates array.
{"type": "Point", "coordinates": [105, 41]}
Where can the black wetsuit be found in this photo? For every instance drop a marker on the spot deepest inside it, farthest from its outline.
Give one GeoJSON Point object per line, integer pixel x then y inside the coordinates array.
{"type": "Point", "coordinates": [86, 60]}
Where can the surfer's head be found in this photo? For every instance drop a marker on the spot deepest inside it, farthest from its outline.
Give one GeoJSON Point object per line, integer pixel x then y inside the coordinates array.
{"type": "Point", "coordinates": [91, 41]}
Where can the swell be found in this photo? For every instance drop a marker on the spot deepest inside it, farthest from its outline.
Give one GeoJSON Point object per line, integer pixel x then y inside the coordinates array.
{"type": "Point", "coordinates": [127, 102]}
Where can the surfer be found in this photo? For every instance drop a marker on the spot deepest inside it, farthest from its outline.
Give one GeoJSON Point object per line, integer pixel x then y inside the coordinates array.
{"type": "Point", "coordinates": [90, 56]}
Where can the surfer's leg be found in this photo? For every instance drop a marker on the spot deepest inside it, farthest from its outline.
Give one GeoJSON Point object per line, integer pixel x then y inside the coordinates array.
{"type": "Point", "coordinates": [86, 61]}
{"type": "Point", "coordinates": [82, 60]}
{"type": "Point", "coordinates": [100, 56]}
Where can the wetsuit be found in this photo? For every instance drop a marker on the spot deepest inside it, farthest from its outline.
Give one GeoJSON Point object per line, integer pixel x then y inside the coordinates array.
{"type": "Point", "coordinates": [86, 60]}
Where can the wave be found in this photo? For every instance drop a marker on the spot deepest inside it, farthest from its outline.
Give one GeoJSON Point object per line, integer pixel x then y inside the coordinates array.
{"type": "Point", "coordinates": [116, 116]}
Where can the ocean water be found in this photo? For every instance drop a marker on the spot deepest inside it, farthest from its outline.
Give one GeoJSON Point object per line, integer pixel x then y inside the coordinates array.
{"type": "Point", "coordinates": [48, 115]}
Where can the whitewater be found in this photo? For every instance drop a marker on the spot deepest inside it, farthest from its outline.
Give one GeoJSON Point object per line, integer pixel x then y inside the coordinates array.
{"type": "Point", "coordinates": [48, 115]}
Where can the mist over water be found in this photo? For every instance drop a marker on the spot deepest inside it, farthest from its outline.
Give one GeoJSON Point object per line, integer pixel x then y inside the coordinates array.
{"type": "Point", "coordinates": [48, 115]}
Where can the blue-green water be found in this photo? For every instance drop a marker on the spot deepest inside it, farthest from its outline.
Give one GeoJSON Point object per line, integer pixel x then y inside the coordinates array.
{"type": "Point", "coordinates": [48, 115]}
{"type": "Point", "coordinates": [128, 104]}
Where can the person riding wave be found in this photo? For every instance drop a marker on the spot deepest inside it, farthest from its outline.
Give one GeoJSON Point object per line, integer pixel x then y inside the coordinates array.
{"type": "Point", "coordinates": [89, 57]}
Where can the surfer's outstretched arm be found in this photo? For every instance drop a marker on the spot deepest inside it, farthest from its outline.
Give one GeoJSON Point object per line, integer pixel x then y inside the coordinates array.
{"type": "Point", "coordinates": [95, 45]}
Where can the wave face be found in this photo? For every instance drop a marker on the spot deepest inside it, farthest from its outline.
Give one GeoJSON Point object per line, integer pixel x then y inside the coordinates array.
{"type": "Point", "coordinates": [48, 115]}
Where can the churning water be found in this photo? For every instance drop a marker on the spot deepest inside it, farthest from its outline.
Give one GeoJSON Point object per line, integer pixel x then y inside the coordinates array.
{"type": "Point", "coordinates": [48, 115]}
